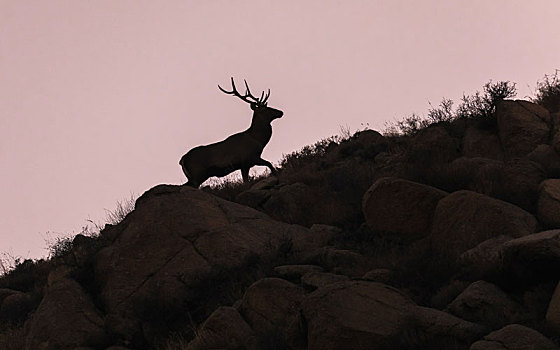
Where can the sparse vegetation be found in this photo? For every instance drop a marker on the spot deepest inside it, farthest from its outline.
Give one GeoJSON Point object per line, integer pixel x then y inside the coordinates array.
{"type": "Point", "coordinates": [547, 93]}
{"type": "Point", "coordinates": [479, 107]}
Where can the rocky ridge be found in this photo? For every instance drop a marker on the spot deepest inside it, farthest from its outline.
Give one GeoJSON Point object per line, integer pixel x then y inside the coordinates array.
{"type": "Point", "coordinates": [446, 239]}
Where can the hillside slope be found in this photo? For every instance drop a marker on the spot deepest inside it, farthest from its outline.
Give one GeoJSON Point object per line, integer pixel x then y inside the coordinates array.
{"type": "Point", "coordinates": [445, 238]}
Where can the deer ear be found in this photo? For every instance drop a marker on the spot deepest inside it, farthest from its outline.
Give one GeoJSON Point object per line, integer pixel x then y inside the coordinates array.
{"type": "Point", "coordinates": [253, 106]}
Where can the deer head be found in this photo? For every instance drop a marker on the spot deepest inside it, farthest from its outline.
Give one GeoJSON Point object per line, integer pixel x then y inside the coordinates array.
{"type": "Point", "coordinates": [258, 105]}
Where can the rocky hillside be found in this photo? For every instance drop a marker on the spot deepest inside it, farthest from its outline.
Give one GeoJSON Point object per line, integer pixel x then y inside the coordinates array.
{"type": "Point", "coordinates": [444, 238]}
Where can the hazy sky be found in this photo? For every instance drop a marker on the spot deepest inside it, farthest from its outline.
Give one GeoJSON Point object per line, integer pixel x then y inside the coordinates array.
{"type": "Point", "coordinates": [100, 99]}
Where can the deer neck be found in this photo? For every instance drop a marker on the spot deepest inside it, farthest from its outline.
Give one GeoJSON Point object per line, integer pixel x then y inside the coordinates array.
{"type": "Point", "coordinates": [260, 130]}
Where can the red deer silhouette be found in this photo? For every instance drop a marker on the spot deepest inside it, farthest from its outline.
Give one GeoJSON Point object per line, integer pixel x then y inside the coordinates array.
{"type": "Point", "coordinates": [240, 151]}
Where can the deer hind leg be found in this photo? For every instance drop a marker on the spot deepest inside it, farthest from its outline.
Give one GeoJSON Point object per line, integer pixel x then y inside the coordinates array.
{"type": "Point", "coordinates": [192, 180]}
{"type": "Point", "coordinates": [267, 164]}
{"type": "Point", "coordinates": [245, 174]}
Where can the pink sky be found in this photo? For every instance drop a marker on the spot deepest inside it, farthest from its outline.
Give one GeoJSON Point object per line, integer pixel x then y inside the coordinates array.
{"type": "Point", "coordinates": [99, 99]}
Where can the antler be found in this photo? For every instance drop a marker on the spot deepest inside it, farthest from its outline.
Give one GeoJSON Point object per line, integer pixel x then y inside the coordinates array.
{"type": "Point", "coordinates": [259, 101]}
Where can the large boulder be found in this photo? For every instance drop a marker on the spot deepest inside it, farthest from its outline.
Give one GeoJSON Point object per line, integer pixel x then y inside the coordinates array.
{"type": "Point", "coordinates": [535, 256]}
{"type": "Point", "coordinates": [515, 181]}
{"type": "Point", "coordinates": [553, 311]}
{"type": "Point", "coordinates": [548, 159]}
{"type": "Point", "coordinates": [514, 337]}
{"type": "Point", "coordinates": [65, 319]}
{"type": "Point", "coordinates": [295, 272]}
{"type": "Point", "coordinates": [15, 306]}
{"type": "Point", "coordinates": [340, 261]}
{"type": "Point", "coordinates": [431, 146]}
{"type": "Point", "coordinates": [224, 329]}
{"type": "Point", "coordinates": [401, 208]}
{"type": "Point", "coordinates": [177, 243]}
{"type": "Point", "coordinates": [290, 203]}
{"type": "Point", "coordinates": [548, 205]}
{"type": "Point", "coordinates": [464, 219]}
{"type": "Point", "coordinates": [520, 183]}
{"type": "Point", "coordinates": [482, 143]}
{"type": "Point", "coordinates": [485, 260]}
{"type": "Point", "coordinates": [486, 304]}
{"type": "Point", "coordinates": [271, 307]}
{"type": "Point", "coordinates": [369, 315]}
{"type": "Point", "coordinates": [522, 127]}
{"type": "Point", "coordinates": [314, 280]}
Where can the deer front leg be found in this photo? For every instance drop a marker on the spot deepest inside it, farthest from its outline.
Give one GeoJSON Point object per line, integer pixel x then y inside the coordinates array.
{"type": "Point", "coordinates": [245, 174]}
{"type": "Point", "coordinates": [267, 164]}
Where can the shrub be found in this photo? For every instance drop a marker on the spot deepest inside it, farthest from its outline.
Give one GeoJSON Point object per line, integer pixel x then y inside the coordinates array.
{"type": "Point", "coordinates": [548, 92]}
{"type": "Point", "coordinates": [482, 106]}
{"type": "Point", "coordinates": [479, 106]}
{"type": "Point", "coordinates": [307, 154]}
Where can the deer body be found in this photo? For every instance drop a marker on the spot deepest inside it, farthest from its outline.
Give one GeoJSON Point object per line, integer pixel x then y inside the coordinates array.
{"type": "Point", "coordinates": [240, 151]}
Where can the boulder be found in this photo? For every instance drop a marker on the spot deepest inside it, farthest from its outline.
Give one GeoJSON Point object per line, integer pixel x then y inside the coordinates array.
{"type": "Point", "coordinates": [401, 208]}
{"type": "Point", "coordinates": [431, 146]}
{"type": "Point", "coordinates": [486, 304]}
{"type": "Point", "coordinates": [294, 272]}
{"type": "Point", "coordinates": [15, 307]}
{"type": "Point", "coordinates": [175, 243]}
{"type": "Point", "coordinates": [534, 257]}
{"type": "Point", "coordinates": [369, 315]}
{"type": "Point", "coordinates": [368, 144]}
{"type": "Point", "coordinates": [481, 143]}
{"type": "Point", "coordinates": [522, 127]}
{"type": "Point", "coordinates": [519, 183]}
{"type": "Point", "coordinates": [514, 337]}
{"type": "Point", "coordinates": [272, 306]}
{"type": "Point", "coordinates": [548, 205]}
{"type": "Point", "coordinates": [65, 319]}
{"type": "Point", "coordinates": [314, 280]}
{"type": "Point", "coordinates": [253, 198]}
{"type": "Point", "coordinates": [266, 183]}
{"type": "Point", "coordinates": [447, 293]}
{"type": "Point", "coordinates": [340, 261]}
{"type": "Point", "coordinates": [6, 292]}
{"type": "Point", "coordinates": [224, 329]}
{"type": "Point", "coordinates": [485, 260]}
{"type": "Point", "coordinates": [553, 311]}
{"type": "Point", "coordinates": [515, 181]}
{"type": "Point", "coordinates": [548, 159]}
{"type": "Point", "coordinates": [477, 174]}
{"type": "Point", "coordinates": [319, 236]}
{"type": "Point", "coordinates": [465, 219]}
{"type": "Point", "coordinates": [290, 203]}
{"type": "Point", "coordinates": [379, 275]}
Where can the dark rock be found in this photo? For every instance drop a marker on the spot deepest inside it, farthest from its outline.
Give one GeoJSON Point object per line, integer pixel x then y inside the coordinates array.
{"type": "Point", "coordinates": [465, 219]}
{"type": "Point", "coordinates": [486, 304]}
{"type": "Point", "coordinates": [224, 329]}
{"type": "Point", "coordinates": [482, 143]}
{"type": "Point", "coordinates": [522, 127]}
{"type": "Point", "coordinates": [401, 208]}
{"type": "Point", "coordinates": [65, 319]}
{"type": "Point", "coordinates": [514, 337]}
{"type": "Point", "coordinates": [272, 306]}
{"type": "Point", "coordinates": [548, 205]}
{"type": "Point", "coordinates": [294, 272]}
{"type": "Point", "coordinates": [369, 315]}
{"type": "Point", "coordinates": [314, 280]}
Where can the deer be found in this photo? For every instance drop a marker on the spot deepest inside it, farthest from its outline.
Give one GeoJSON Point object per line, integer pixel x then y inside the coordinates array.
{"type": "Point", "coordinates": [239, 151]}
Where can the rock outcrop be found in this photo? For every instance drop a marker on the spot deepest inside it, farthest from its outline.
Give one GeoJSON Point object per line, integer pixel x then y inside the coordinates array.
{"type": "Point", "coordinates": [447, 238]}
{"type": "Point", "coordinates": [401, 208]}
{"type": "Point", "coordinates": [522, 127]}
{"type": "Point", "coordinates": [465, 219]}
{"type": "Point", "coordinates": [175, 245]}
